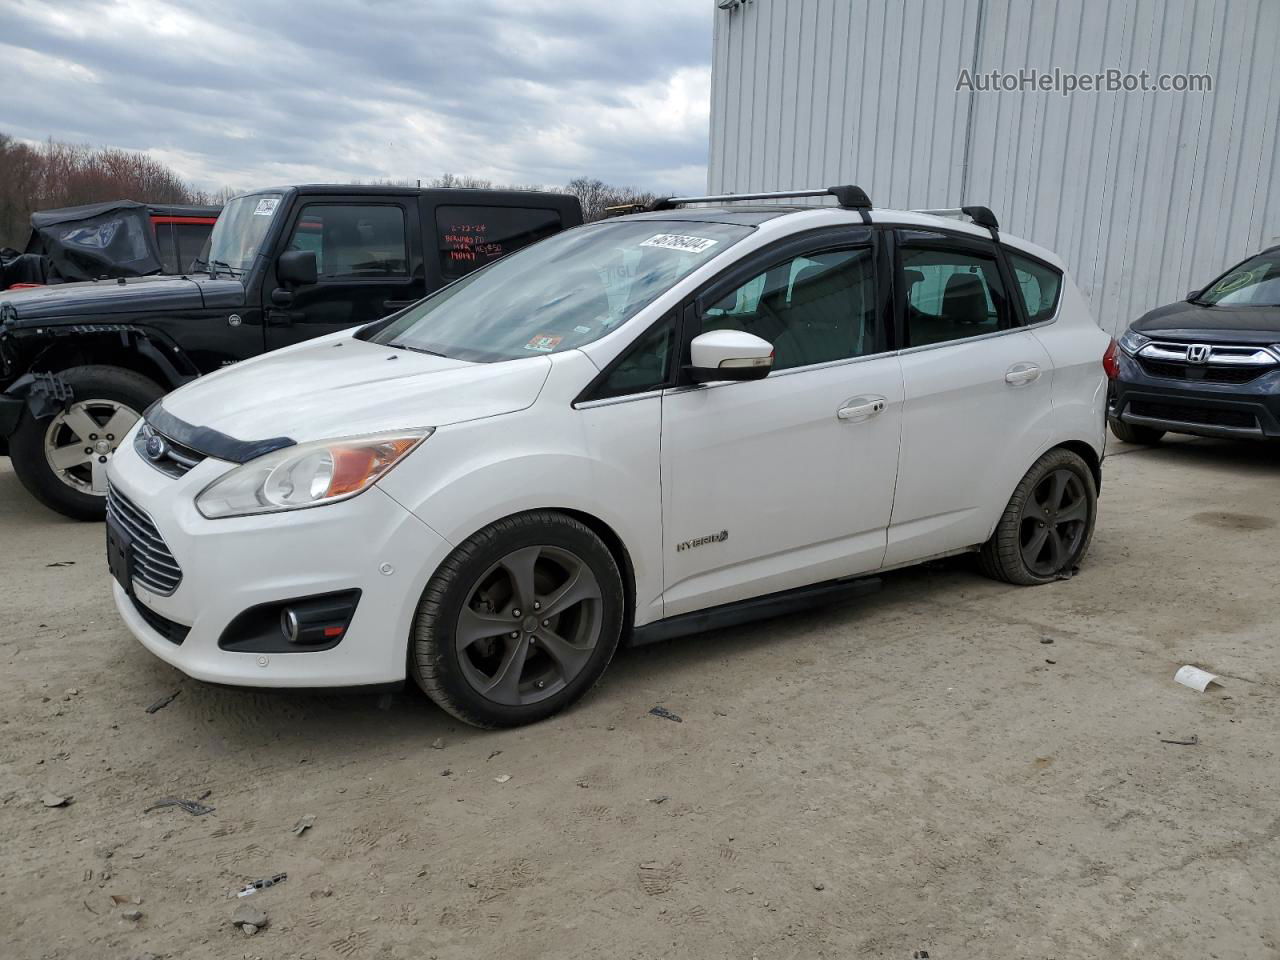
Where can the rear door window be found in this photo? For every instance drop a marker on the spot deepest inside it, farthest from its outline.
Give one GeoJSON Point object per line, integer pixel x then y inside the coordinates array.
{"type": "Point", "coordinates": [471, 236]}
{"type": "Point", "coordinates": [952, 293]}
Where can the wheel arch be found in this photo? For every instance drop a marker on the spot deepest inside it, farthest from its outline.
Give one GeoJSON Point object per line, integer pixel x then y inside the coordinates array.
{"type": "Point", "coordinates": [621, 556]}
{"type": "Point", "coordinates": [145, 352]}
{"type": "Point", "coordinates": [608, 535]}
{"type": "Point", "coordinates": [1086, 453]}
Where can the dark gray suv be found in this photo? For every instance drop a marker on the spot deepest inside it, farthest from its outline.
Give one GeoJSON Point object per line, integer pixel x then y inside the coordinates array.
{"type": "Point", "coordinates": [1208, 365]}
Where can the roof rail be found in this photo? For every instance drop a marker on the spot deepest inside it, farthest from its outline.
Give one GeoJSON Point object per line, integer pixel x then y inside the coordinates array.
{"type": "Point", "coordinates": [849, 196]}
{"type": "Point", "coordinates": [982, 216]}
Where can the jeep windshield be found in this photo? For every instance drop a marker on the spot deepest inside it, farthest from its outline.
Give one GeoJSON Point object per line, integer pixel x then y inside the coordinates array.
{"type": "Point", "coordinates": [1255, 283]}
{"type": "Point", "coordinates": [561, 292]}
{"type": "Point", "coordinates": [238, 233]}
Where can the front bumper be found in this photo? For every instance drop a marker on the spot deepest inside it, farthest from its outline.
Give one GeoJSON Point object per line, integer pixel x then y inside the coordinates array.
{"type": "Point", "coordinates": [1246, 411]}
{"type": "Point", "coordinates": [368, 543]}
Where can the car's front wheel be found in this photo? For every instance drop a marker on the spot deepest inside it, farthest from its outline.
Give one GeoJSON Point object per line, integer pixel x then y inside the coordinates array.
{"type": "Point", "coordinates": [519, 621]}
{"type": "Point", "coordinates": [62, 459]}
{"type": "Point", "coordinates": [1130, 433]}
{"type": "Point", "coordinates": [1046, 528]}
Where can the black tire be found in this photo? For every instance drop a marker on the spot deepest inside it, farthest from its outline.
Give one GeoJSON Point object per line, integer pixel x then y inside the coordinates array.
{"type": "Point", "coordinates": [1005, 555]}
{"type": "Point", "coordinates": [436, 663]}
{"type": "Point", "coordinates": [27, 445]}
{"type": "Point", "coordinates": [1131, 433]}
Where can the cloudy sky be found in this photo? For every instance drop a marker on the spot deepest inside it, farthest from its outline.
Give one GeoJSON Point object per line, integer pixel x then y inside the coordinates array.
{"type": "Point", "coordinates": [246, 93]}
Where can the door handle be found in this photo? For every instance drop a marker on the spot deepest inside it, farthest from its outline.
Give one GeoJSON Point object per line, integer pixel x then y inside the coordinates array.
{"type": "Point", "coordinates": [282, 318]}
{"type": "Point", "coordinates": [1022, 373]}
{"type": "Point", "coordinates": [396, 304]}
{"type": "Point", "coordinates": [860, 408]}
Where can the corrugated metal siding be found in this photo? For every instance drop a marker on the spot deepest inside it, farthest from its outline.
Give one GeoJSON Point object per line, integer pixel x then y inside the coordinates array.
{"type": "Point", "coordinates": [1144, 194]}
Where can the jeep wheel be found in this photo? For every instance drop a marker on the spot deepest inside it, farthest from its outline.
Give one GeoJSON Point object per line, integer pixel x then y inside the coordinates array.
{"type": "Point", "coordinates": [1130, 433]}
{"type": "Point", "coordinates": [519, 621]}
{"type": "Point", "coordinates": [62, 459]}
{"type": "Point", "coordinates": [1046, 528]}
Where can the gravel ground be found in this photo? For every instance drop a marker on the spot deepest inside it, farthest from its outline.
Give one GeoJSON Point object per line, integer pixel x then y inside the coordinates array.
{"type": "Point", "coordinates": [917, 769]}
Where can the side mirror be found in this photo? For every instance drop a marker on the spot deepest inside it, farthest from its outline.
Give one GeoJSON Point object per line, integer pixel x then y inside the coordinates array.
{"type": "Point", "coordinates": [1194, 294]}
{"type": "Point", "coordinates": [297, 268]}
{"type": "Point", "coordinates": [729, 355]}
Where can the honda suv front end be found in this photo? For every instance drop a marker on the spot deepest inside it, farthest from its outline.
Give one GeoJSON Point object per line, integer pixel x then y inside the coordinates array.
{"type": "Point", "coordinates": [1207, 366]}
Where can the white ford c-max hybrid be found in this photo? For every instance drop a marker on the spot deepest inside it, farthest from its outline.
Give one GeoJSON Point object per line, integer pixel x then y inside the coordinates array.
{"type": "Point", "coordinates": [629, 430]}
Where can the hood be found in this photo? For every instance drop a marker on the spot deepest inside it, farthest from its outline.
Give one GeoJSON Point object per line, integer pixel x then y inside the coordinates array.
{"type": "Point", "coordinates": [75, 301]}
{"type": "Point", "coordinates": [1191, 321]}
{"type": "Point", "coordinates": [339, 386]}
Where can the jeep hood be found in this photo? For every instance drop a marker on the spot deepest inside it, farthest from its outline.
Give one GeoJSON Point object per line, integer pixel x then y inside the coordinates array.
{"type": "Point", "coordinates": [74, 302]}
{"type": "Point", "coordinates": [339, 386]}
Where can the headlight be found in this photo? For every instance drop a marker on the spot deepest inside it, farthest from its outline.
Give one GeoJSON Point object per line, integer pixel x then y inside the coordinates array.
{"type": "Point", "coordinates": [307, 475]}
{"type": "Point", "coordinates": [1132, 342]}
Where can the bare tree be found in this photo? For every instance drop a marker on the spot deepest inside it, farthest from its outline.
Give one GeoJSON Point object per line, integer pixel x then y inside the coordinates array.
{"type": "Point", "coordinates": [596, 197]}
{"type": "Point", "coordinates": [58, 174]}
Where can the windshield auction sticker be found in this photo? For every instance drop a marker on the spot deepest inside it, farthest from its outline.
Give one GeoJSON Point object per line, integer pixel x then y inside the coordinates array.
{"type": "Point", "coordinates": [543, 343]}
{"type": "Point", "coordinates": [266, 207]}
{"type": "Point", "coordinates": [675, 241]}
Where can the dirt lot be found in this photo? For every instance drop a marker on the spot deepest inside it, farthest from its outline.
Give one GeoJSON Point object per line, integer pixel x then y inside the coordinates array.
{"type": "Point", "coordinates": [920, 769]}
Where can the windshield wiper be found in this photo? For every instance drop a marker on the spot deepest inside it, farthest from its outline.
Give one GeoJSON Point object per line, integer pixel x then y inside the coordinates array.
{"type": "Point", "coordinates": [222, 263]}
{"type": "Point", "coordinates": [405, 346]}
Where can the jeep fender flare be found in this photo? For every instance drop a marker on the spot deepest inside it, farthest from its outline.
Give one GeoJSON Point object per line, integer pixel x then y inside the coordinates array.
{"type": "Point", "coordinates": [46, 393]}
{"type": "Point", "coordinates": [175, 367]}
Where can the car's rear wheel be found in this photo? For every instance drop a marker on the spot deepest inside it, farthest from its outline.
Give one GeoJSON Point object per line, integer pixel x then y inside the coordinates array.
{"type": "Point", "coordinates": [519, 621]}
{"type": "Point", "coordinates": [1131, 433]}
{"type": "Point", "coordinates": [61, 459]}
{"type": "Point", "coordinates": [1046, 528]}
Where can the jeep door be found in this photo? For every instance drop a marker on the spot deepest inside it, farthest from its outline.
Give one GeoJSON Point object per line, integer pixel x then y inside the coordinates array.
{"type": "Point", "coordinates": [368, 264]}
{"type": "Point", "coordinates": [786, 481]}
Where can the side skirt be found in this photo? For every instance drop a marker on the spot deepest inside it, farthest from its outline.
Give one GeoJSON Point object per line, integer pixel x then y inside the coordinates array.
{"type": "Point", "coordinates": [756, 608]}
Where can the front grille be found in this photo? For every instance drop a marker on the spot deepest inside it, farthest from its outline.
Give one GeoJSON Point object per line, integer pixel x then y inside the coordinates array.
{"type": "Point", "coordinates": [175, 633]}
{"type": "Point", "coordinates": [168, 456]}
{"type": "Point", "coordinates": [1202, 374]}
{"type": "Point", "coordinates": [153, 564]}
{"type": "Point", "coordinates": [1187, 413]}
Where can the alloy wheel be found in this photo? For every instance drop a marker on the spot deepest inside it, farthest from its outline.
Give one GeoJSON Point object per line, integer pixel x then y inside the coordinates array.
{"type": "Point", "coordinates": [530, 625]}
{"type": "Point", "coordinates": [81, 439]}
{"type": "Point", "coordinates": [1054, 523]}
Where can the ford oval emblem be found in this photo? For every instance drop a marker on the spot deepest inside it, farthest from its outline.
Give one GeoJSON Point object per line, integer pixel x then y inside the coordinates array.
{"type": "Point", "coordinates": [155, 447]}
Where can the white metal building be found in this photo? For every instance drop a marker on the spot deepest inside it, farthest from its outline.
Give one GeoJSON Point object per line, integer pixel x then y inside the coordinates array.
{"type": "Point", "coordinates": [1145, 194]}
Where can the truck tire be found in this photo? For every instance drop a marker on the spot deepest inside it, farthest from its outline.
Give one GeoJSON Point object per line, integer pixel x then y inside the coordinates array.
{"type": "Point", "coordinates": [51, 458]}
{"type": "Point", "coordinates": [519, 621]}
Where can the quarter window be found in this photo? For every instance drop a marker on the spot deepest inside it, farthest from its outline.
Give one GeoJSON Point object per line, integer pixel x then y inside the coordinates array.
{"type": "Point", "coordinates": [951, 295]}
{"type": "Point", "coordinates": [470, 237]}
{"type": "Point", "coordinates": [646, 367]}
{"type": "Point", "coordinates": [1038, 285]}
{"type": "Point", "coordinates": [353, 241]}
{"type": "Point", "coordinates": [813, 309]}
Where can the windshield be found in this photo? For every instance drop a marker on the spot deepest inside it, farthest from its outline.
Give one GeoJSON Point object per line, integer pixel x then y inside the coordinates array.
{"type": "Point", "coordinates": [1255, 283]}
{"type": "Point", "coordinates": [238, 233]}
{"type": "Point", "coordinates": [561, 292]}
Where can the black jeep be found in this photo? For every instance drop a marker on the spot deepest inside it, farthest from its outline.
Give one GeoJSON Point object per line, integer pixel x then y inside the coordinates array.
{"type": "Point", "coordinates": [80, 362]}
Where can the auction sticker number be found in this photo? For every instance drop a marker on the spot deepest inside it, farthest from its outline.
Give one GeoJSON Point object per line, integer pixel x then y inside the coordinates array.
{"type": "Point", "coordinates": [266, 207]}
{"type": "Point", "coordinates": [675, 241]}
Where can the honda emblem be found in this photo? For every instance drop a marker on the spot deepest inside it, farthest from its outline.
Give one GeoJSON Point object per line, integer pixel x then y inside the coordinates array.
{"type": "Point", "coordinates": [1198, 353]}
